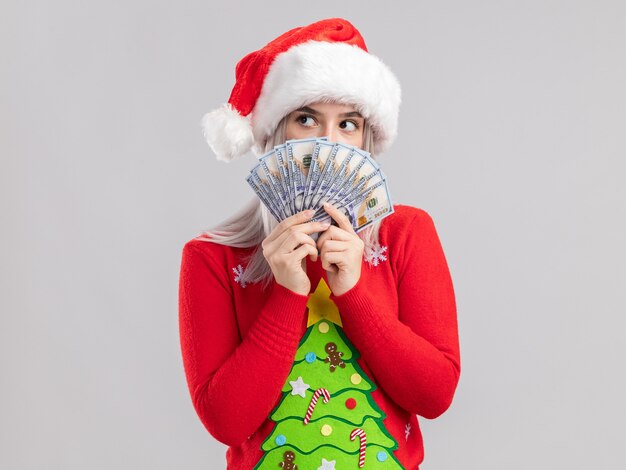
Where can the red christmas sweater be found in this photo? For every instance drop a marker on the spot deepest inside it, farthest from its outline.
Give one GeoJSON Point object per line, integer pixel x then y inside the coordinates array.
{"type": "Point", "coordinates": [238, 341]}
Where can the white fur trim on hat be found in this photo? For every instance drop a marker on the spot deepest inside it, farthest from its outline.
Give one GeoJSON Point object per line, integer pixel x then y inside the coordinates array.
{"type": "Point", "coordinates": [228, 133]}
{"type": "Point", "coordinates": [318, 70]}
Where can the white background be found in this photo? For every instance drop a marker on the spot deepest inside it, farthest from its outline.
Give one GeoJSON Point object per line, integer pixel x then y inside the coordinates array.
{"type": "Point", "coordinates": [511, 137]}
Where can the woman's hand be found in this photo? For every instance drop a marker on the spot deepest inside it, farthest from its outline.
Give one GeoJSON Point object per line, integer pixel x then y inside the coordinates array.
{"type": "Point", "coordinates": [286, 247]}
{"type": "Point", "coordinates": [341, 251]}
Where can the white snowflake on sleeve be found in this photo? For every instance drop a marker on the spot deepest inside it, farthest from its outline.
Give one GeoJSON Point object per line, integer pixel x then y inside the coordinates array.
{"type": "Point", "coordinates": [407, 431]}
{"type": "Point", "coordinates": [375, 254]}
{"type": "Point", "coordinates": [239, 276]}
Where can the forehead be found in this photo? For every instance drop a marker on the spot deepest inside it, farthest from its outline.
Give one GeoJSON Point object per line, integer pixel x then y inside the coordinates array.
{"type": "Point", "coordinates": [331, 107]}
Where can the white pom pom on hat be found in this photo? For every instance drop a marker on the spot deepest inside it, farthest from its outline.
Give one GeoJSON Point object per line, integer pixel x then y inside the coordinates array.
{"type": "Point", "coordinates": [228, 133]}
{"type": "Point", "coordinates": [326, 60]}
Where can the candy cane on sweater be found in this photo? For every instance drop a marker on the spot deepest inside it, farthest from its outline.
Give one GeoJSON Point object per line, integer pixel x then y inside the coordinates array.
{"type": "Point", "coordinates": [359, 432]}
{"type": "Point", "coordinates": [319, 392]}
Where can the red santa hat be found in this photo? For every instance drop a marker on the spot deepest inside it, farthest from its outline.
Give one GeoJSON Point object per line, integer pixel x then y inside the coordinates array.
{"type": "Point", "coordinates": [324, 61]}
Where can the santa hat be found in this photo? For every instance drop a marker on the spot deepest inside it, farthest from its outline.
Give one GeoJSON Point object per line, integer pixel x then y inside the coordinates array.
{"type": "Point", "coordinates": [325, 61]}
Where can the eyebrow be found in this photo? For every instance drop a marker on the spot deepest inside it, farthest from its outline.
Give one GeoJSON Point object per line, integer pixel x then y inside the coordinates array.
{"type": "Point", "coordinates": [306, 109]}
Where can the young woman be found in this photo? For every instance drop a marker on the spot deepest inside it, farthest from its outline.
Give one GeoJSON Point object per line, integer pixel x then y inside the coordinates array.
{"type": "Point", "coordinates": [260, 300]}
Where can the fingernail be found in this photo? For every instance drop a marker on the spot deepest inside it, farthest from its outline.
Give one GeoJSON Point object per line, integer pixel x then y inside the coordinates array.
{"type": "Point", "coordinates": [309, 212]}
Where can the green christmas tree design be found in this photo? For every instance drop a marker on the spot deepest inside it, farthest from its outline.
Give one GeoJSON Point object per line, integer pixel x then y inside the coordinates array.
{"type": "Point", "coordinates": [320, 431]}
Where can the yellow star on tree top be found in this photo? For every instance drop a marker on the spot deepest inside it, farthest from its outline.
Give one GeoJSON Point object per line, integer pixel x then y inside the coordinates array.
{"type": "Point", "coordinates": [321, 307]}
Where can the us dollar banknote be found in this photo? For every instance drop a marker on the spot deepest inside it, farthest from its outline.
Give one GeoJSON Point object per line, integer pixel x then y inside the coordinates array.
{"type": "Point", "coordinates": [305, 173]}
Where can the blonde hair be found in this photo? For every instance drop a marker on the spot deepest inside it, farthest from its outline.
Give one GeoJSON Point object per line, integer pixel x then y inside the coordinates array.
{"type": "Point", "coordinates": [253, 223]}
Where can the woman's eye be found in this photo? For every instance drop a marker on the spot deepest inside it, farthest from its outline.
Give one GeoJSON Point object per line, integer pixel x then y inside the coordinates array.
{"type": "Point", "coordinates": [305, 120]}
{"type": "Point", "coordinates": [348, 126]}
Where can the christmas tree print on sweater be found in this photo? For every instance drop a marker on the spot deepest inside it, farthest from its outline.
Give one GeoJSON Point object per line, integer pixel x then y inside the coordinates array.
{"type": "Point", "coordinates": [326, 418]}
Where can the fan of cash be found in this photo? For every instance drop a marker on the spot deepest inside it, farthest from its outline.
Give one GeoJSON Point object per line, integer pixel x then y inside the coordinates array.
{"type": "Point", "coordinates": [305, 173]}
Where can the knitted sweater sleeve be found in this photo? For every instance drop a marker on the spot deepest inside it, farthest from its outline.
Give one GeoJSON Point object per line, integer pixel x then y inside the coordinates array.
{"type": "Point", "coordinates": [414, 351]}
{"type": "Point", "coordinates": [233, 383]}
